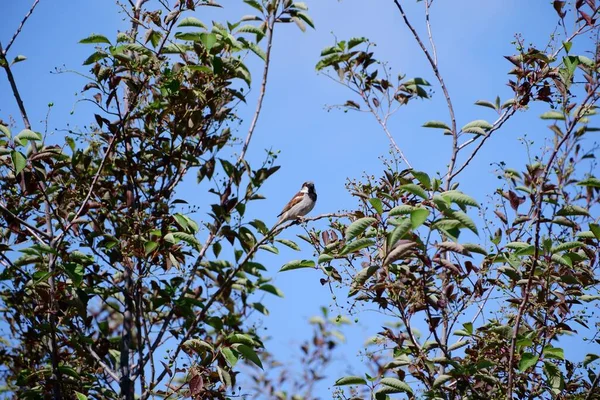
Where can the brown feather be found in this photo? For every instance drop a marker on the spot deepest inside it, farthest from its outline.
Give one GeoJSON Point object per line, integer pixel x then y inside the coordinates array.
{"type": "Point", "coordinates": [295, 200]}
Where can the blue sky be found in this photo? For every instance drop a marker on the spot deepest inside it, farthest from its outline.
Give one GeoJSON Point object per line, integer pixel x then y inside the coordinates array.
{"type": "Point", "coordinates": [326, 147]}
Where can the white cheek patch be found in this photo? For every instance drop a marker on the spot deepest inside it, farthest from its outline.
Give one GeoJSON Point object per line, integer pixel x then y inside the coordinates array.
{"type": "Point", "coordinates": [304, 189]}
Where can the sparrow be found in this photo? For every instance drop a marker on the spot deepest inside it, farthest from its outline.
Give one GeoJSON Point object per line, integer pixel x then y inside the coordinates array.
{"type": "Point", "coordinates": [300, 205]}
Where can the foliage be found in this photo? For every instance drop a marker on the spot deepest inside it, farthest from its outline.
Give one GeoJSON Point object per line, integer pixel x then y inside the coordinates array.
{"type": "Point", "coordinates": [115, 288]}
{"type": "Point", "coordinates": [103, 264]}
{"type": "Point", "coordinates": [498, 298]}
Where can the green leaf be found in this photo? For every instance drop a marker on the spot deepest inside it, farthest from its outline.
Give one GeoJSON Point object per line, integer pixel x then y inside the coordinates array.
{"type": "Point", "coordinates": [357, 245]}
{"type": "Point", "coordinates": [415, 189]}
{"type": "Point", "coordinates": [80, 396]}
{"type": "Point", "coordinates": [289, 243]}
{"type": "Point", "coordinates": [19, 161]}
{"type": "Point", "coordinates": [566, 246]}
{"type": "Point", "coordinates": [377, 205]}
{"type": "Point", "coordinates": [396, 384]}
{"type": "Point", "coordinates": [271, 249]}
{"type": "Point", "coordinates": [595, 228]}
{"type": "Point", "coordinates": [423, 178]}
{"type": "Point", "coordinates": [554, 352]}
{"type": "Point", "coordinates": [267, 287]}
{"type": "Point", "coordinates": [29, 135]}
{"type": "Point", "coordinates": [350, 380]}
{"type": "Point", "coordinates": [441, 379]}
{"type": "Point", "coordinates": [258, 51]}
{"type": "Point", "coordinates": [192, 21]}
{"type": "Point", "coordinates": [553, 115]}
{"type": "Point", "coordinates": [358, 227]}
{"type": "Point", "coordinates": [465, 220]}
{"type": "Point", "coordinates": [208, 40]}
{"type": "Point", "coordinates": [95, 56]}
{"type": "Point", "coordinates": [573, 210]}
{"type": "Point", "coordinates": [475, 248]}
{"type": "Point", "coordinates": [149, 247]}
{"type": "Point", "coordinates": [479, 123]}
{"type": "Point", "coordinates": [4, 129]}
{"type": "Point", "coordinates": [18, 58]}
{"type": "Point", "coordinates": [436, 124]}
{"type": "Point", "coordinates": [229, 356]}
{"type": "Point", "coordinates": [418, 217]}
{"type": "Point", "coordinates": [402, 210]}
{"type": "Point", "coordinates": [325, 258]}
{"type": "Point", "coordinates": [400, 231]}
{"type": "Point", "coordinates": [297, 264]}
{"type": "Point", "coordinates": [460, 198]}
{"type": "Point", "coordinates": [528, 360]}
{"type": "Point", "coordinates": [249, 354]}
{"type": "Point", "coordinates": [485, 103]}
{"type": "Point", "coordinates": [590, 358]}
{"type": "Point", "coordinates": [95, 38]}
{"type": "Point", "coordinates": [590, 181]}
{"type": "Point", "coordinates": [353, 42]}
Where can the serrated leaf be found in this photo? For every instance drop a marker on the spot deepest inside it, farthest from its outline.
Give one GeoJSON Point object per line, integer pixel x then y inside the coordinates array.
{"type": "Point", "coordinates": [562, 260]}
{"type": "Point", "coordinates": [229, 356]}
{"type": "Point", "coordinates": [454, 247]}
{"type": "Point", "coordinates": [357, 245]}
{"type": "Point", "coordinates": [18, 58]}
{"type": "Point", "coordinates": [192, 21]}
{"type": "Point", "coordinates": [401, 210]}
{"type": "Point", "coordinates": [589, 358]}
{"type": "Point", "coordinates": [475, 248]}
{"type": "Point", "coordinates": [465, 220]}
{"type": "Point", "coordinates": [396, 384]}
{"type": "Point", "coordinates": [297, 264]}
{"type": "Point", "coordinates": [460, 198]}
{"type": "Point", "coordinates": [358, 227]}
{"type": "Point", "coordinates": [149, 247]}
{"type": "Point", "coordinates": [423, 178]}
{"type": "Point", "coordinates": [441, 379]}
{"type": "Point", "coordinates": [554, 352]}
{"type": "Point", "coordinates": [436, 124]}
{"type": "Point", "coordinates": [29, 135]}
{"type": "Point", "coordinates": [485, 103]}
{"type": "Point", "coordinates": [95, 38]}
{"type": "Point", "coordinates": [415, 189]}
{"type": "Point", "coordinates": [399, 251]}
{"type": "Point", "coordinates": [249, 354]}
{"type": "Point", "coordinates": [555, 115]}
{"type": "Point", "coordinates": [267, 287]}
{"type": "Point", "coordinates": [418, 217]}
{"type": "Point", "coordinates": [398, 232]}
{"type": "Point", "coordinates": [527, 361]}
{"type": "Point", "coordinates": [324, 258]}
{"type": "Point", "coordinates": [377, 205]}
{"type": "Point", "coordinates": [271, 249]}
{"type": "Point", "coordinates": [573, 210]}
{"type": "Point", "coordinates": [591, 181]}
{"type": "Point", "coordinates": [292, 245]}
{"type": "Point", "coordinates": [258, 51]}
{"type": "Point", "coordinates": [595, 229]}
{"type": "Point", "coordinates": [479, 123]}
{"type": "Point", "coordinates": [566, 246]}
{"type": "Point", "coordinates": [5, 130]}
{"type": "Point", "coordinates": [350, 380]}
{"type": "Point", "coordinates": [18, 160]}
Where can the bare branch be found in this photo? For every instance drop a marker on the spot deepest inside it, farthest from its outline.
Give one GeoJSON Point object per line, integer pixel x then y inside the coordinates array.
{"type": "Point", "coordinates": [12, 40]}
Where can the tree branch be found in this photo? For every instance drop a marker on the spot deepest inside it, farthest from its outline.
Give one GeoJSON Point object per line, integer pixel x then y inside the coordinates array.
{"type": "Point", "coordinates": [12, 40]}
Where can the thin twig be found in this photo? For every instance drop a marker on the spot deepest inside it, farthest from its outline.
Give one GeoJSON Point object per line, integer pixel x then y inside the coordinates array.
{"type": "Point", "coordinates": [12, 40]}
{"type": "Point", "coordinates": [227, 283]}
{"type": "Point", "coordinates": [440, 79]}
{"type": "Point", "coordinates": [263, 87]}
{"type": "Point", "coordinates": [537, 237]}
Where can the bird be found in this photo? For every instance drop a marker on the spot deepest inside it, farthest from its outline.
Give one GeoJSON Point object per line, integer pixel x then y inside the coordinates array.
{"type": "Point", "coordinates": [300, 205]}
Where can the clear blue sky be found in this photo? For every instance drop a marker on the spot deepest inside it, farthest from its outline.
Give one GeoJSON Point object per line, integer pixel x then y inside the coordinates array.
{"type": "Point", "coordinates": [326, 147]}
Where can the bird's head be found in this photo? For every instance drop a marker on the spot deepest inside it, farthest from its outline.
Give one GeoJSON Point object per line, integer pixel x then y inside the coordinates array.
{"type": "Point", "coordinates": [308, 187]}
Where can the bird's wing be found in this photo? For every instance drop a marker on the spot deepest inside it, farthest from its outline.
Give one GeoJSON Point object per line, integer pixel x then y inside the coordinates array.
{"type": "Point", "coordinates": [295, 200]}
